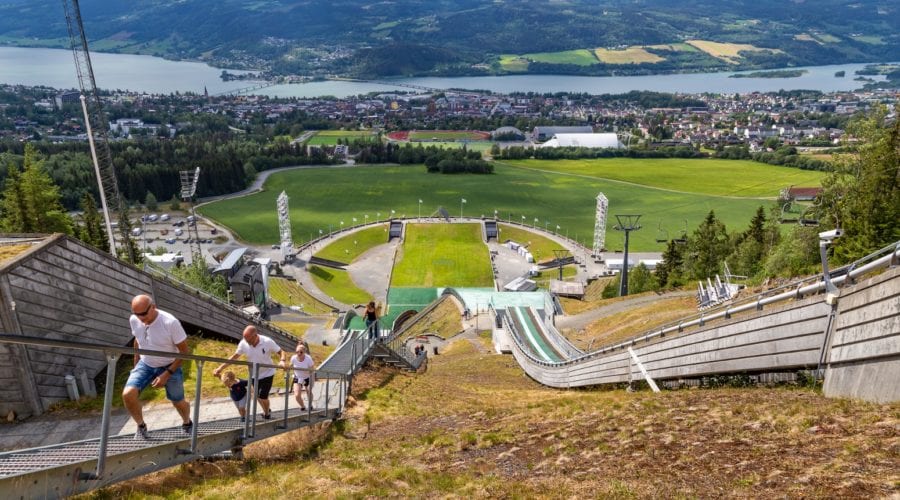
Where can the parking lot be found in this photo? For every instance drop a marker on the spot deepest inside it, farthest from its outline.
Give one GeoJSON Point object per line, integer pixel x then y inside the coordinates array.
{"type": "Point", "coordinates": [175, 233]}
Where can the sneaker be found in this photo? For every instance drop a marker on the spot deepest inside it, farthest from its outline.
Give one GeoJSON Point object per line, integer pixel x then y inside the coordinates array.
{"type": "Point", "coordinates": [243, 419]}
{"type": "Point", "coordinates": [142, 432]}
{"type": "Point", "coordinates": [188, 427]}
{"type": "Point", "coordinates": [267, 416]}
{"type": "Point", "coordinates": [302, 408]}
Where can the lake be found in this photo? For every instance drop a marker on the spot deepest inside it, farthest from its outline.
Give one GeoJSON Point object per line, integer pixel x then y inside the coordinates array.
{"type": "Point", "coordinates": [56, 68]}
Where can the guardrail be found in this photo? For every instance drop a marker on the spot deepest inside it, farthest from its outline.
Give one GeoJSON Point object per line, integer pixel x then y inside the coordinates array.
{"type": "Point", "coordinates": [336, 391]}
{"type": "Point", "coordinates": [887, 256]}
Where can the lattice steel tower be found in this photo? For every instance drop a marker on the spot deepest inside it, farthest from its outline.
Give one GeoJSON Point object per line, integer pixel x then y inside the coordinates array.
{"type": "Point", "coordinates": [600, 225]}
{"type": "Point", "coordinates": [284, 227]}
{"type": "Point", "coordinates": [97, 127]}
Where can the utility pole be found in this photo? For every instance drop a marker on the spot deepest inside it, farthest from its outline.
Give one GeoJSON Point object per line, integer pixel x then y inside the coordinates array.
{"type": "Point", "coordinates": [627, 223]}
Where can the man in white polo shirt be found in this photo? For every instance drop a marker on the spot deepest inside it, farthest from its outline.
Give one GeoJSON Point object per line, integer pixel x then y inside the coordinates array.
{"type": "Point", "coordinates": [258, 349]}
{"type": "Point", "coordinates": [156, 330]}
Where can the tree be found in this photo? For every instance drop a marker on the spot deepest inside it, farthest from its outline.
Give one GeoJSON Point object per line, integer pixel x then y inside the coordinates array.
{"type": "Point", "coordinates": [150, 202]}
{"type": "Point", "coordinates": [31, 202]}
{"type": "Point", "coordinates": [668, 272]}
{"type": "Point", "coordinates": [199, 276]}
{"type": "Point", "coordinates": [175, 204]}
{"type": "Point", "coordinates": [862, 195]}
{"type": "Point", "coordinates": [92, 230]}
{"type": "Point", "coordinates": [707, 248]}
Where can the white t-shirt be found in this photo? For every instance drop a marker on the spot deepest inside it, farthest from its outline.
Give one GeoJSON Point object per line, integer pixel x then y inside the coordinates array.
{"type": "Point", "coordinates": [303, 369]}
{"type": "Point", "coordinates": [262, 354]}
{"type": "Point", "coordinates": [161, 335]}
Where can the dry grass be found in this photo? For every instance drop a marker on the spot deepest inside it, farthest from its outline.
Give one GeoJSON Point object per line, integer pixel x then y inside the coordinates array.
{"type": "Point", "coordinates": [473, 426]}
{"type": "Point", "coordinates": [624, 325]}
{"type": "Point", "coordinates": [444, 320]}
{"type": "Point", "coordinates": [9, 251]}
{"type": "Point", "coordinates": [630, 55]}
{"type": "Point", "coordinates": [289, 293]}
{"type": "Point", "coordinates": [593, 297]}
{"type": "Point", "coordinates": [728, 52]}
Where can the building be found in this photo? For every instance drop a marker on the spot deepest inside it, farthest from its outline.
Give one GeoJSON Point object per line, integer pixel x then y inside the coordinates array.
{"type": "Point", "coordinates": [583, 141]}
{"type": "Point", "coordinates": [247, 281]}
{"type": "Point", "coordinates": [544, 133]}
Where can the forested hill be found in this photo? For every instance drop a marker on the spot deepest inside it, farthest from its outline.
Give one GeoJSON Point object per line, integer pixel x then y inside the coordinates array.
{"type": "Point", "coordinates": [357, 37]}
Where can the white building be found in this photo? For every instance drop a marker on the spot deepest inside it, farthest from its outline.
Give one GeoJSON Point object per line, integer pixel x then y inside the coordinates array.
{"type": "Point", "coordinates": [583, 141]}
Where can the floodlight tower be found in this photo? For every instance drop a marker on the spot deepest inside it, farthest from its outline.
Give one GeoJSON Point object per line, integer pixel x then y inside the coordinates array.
{"type": "Point", "coordinates": [284, 227]}
{"type": "Point", "coordinates": [600, 225]}
{"type": "Point", "coordinates": [189, 180]}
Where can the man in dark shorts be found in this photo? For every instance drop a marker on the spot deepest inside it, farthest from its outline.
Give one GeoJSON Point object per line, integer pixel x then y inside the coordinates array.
{"type": "Point", "coordinates": [258, 349]}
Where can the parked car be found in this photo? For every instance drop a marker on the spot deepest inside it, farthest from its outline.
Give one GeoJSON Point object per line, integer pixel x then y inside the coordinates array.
{"type": "Point", "coordinates": [152, 217]}
{"type": "Point", "coordinates": [170, 241]}
{"type": "Point", "coordinates": [179, 232]}
{"type": "Point", "coordinates": [179, 223]}
{"type": "Point", "coordinates": [276, 247]}
{"type": "Point", "coordinates": [164, 217]}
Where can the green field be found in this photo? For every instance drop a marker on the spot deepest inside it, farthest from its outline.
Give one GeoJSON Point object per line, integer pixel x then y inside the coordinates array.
{"type": "Point", "coordinates": [513, 63]}
{"type": "Point", "coordinates": [347, 248]}
{"type": "Point", "coordinates": [325, 196]}
{"type": "Point", "coordinates": [338, 285]}
{"type": "Point", "coordinates": [444, 135]}
{"type": "Point", "coordinates": [580, 57]}
{"type": "Point", "coordinates": [330, 137]}
{"type": "Point", "coordinates": [541, 248]}
{"type": "Point", "coordinates": [481, 146]}
{"type": "Point", "coordinates": [710, 176]}
{"type": "Point", "coordinates": [443, 255]}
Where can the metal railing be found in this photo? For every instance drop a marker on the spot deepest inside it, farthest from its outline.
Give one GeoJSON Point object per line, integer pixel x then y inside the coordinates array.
{"type": "Point", "coordinates": [885, 257]}
{"type": "Point", "coordinates": [336, 387]}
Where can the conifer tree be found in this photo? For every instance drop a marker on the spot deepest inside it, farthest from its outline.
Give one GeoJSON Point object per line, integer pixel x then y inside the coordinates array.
{"type": "Point", "coordinates": [707, 248]}
{"type": "Point", "coordinates": [862, 195]}
{"type": "Point", "coordinates": [92, 230]}
{"type": "Point", "coordinates": [31, 201]}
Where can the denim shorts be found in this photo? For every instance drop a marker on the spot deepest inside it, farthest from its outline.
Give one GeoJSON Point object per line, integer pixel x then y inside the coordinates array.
{"type": "Point", "coordinates": [143, 374]}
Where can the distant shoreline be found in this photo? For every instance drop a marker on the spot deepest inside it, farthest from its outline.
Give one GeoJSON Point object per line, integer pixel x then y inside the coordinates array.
{"type": "Point", "coordinates": [780, 73]}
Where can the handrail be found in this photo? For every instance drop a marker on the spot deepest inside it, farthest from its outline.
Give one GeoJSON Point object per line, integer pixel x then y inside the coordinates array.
{"type": "Point", "coordinates": [876, 260]}
{"type": "Point", "coordinates": [112, 354]}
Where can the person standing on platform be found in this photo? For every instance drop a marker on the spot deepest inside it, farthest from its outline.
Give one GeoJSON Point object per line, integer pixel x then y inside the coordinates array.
{"type": "Point", "coordinates": [371, 317]}
{"type": "Point", "coordinates": [258, 349]}
{"type": "Point", "coordinates": [156, 330]}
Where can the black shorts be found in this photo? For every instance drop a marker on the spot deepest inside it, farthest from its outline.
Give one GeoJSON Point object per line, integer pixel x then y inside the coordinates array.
{"type": "Point", "coordinates": [263, 387]}
{"type": "Point", "coordinates": [304, 382]}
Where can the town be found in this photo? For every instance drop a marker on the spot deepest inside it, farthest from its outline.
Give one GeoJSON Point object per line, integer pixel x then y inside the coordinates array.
{"type": "Point", "coordinates": [805, 119]}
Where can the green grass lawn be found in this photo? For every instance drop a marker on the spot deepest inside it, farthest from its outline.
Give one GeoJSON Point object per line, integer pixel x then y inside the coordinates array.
{"type": "Point", "coordinates": [347, 248]}
{"type": "Point", "coordinates": [289, 293]}
{"type": "Point", "coordinates": [513, 63]}
{"type": "Point", "coordinates": [330, 195]}
{"type": "Point", "coordinates": [443, 255]}
{"type": "Point", "coordinates": [481, 146]}
{"type": "Point", "coordinates": [330, 137]}
{"type": "Point", "coordinates": [581, 57]}
{"type": "Point", "coordinates": [338, 285]}
{"type": "Point", "coordinates": [443, 135]}
{"type": "Point", "coordinates": [540, 247]}
{"type": "Point", "coordinates": [706, 176]}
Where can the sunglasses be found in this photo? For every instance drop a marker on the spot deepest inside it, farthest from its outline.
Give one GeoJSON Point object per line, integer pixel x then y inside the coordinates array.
{"type": "Point", "coordinates": [146, 311]}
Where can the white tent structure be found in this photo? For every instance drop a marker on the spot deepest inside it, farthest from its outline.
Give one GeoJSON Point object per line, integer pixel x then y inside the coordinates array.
{"type": "Point", "coordinates": [583, 141]}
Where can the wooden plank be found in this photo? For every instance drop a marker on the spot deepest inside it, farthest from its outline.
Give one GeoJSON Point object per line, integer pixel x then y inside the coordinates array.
{"type": "Point", "coordinates": [113, 298]}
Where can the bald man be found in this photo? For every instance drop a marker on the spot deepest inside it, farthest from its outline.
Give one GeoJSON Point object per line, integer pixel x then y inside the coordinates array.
{"type": "Point", "coordinates": [156, 330]}
{"type": "Point", "coordinates": [258, 349]}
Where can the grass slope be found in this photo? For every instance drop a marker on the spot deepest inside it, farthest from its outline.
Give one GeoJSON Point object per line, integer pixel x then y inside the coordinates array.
{"type": "Point", "coordinates": [443, 255]}
{"type": "Point", "coordinates": [289, 293]}
{"type": "Point", "coordinates": [347, 248]}
{"type": "Point", "coordinates": [338, 285]}
{"type": "Point", "coordinates": [565, 198]}
{"type": "Point", "coordinates": [473, 426]}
